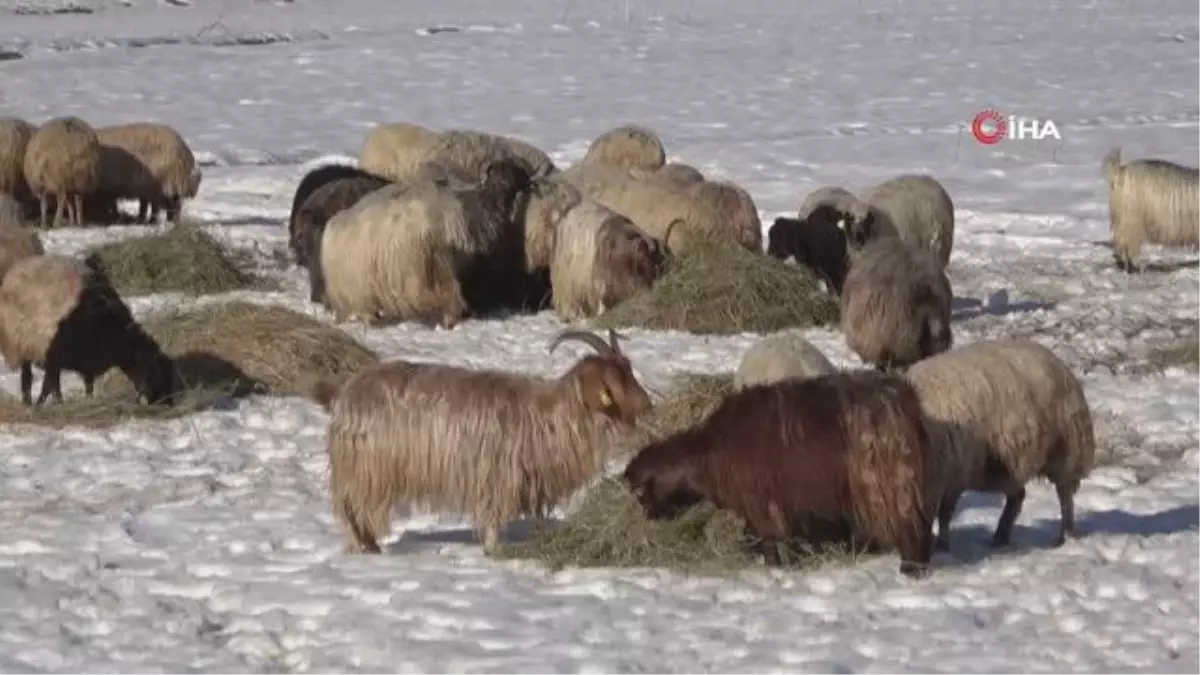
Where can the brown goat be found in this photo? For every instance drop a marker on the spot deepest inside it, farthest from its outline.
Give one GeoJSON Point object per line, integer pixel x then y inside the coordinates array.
{"type": "Point", "coordinates": [491, 445]}
{"type": "Point", "coordinates": [843, 456]}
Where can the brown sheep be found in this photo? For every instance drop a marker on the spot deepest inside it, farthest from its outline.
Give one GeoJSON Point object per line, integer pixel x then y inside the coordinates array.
{"type": "Point", "coordinates": [339, 187]}
{"type": "Point", "coordinates": [736, 209]}
{"type": "Point", "coordinates": [149, 162]}
{"type": "Point", "coordinates": [828, 459]}
{"type": "Point", "coordinates": [394, 151]}
{"type": "Point", "coordinates": [14, 138]}
{"type": "Point", "coordinates": [629, 146]}
{"type": "Point", "coordinates": [62, 161]}
{"type": "Point", "coordinates": [492, 445]}
{"type": "Point", "coordinates": [17, 242]}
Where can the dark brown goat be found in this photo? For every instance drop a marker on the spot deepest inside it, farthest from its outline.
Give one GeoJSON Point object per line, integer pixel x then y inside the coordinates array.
{"type": "Point", "coordinates": [795, 457]}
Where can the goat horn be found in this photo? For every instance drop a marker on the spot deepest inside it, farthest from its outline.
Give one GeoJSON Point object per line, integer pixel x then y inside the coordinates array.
{"type": "Point", "coordinates": [591, 339]}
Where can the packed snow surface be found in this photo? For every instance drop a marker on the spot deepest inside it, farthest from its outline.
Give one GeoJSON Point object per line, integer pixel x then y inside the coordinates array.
{"type": "Point", "coordinates": [207, 543]}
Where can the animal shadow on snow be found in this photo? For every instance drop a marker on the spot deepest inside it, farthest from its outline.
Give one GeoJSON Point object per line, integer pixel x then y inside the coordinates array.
{"type": "Point", "coordinates": [970, 544]}
{"type": "Point", "coordinates": [962, 309]}
{"type": "Point", "coordinates": [202, 370]}
{"type": "Point", "coordinates": [432, 540]}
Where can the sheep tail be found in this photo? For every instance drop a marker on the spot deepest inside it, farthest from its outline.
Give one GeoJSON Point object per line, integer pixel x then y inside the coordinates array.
{"type": "Point", "coordinates": [325, 391]}
{"type": "Point", "coordinates": [1112, 165]}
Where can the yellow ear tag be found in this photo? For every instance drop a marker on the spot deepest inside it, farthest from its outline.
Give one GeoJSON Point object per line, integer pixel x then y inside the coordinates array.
{"type": "Point", "coordinates": [605, 399]}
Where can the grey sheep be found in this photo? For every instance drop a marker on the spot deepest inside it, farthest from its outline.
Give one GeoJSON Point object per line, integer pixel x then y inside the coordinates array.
{"type": "Point", "coordinates": [918, 209]}
{"type": "Point", "coordinates": [782, 356]}
{"type": "Point", "coordinates": [629, 146]}
{"type": "Point", "coordinates": [14, 138]}
{"type": "Point", "coordinates": [62, 161]}
{"type": "Point", "coordinates": [149, 162]}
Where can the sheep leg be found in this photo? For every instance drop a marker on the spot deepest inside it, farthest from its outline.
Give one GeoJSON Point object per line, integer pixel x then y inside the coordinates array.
{"type": "Point", "coordinates": [491, 538]}
{"type": "Point", "coordinates": [362, 539]}
{"type": "Point", "coordinates": [1008, 517]}
{"type": "Point", "coordinates": [916, 550]}
{"type": "Point", "coordinates": [77, 207]}
{"type": "Point", "coordinates": [59, 210]}
{"type": "Point", "coordinates": [51, 384]}
{"type": "Point", "coordinates": [27, 383]}
{"type": "Point", "coordinates": [44, 205]}
{"type": "Point", "coordinates": [89, 385]}
{"type": "Point", "coordinates": [1066, 503]}
{"type": "Point", "coordinates": [945, 514]}
{"type": "Point", "coordinates": [143, 206]}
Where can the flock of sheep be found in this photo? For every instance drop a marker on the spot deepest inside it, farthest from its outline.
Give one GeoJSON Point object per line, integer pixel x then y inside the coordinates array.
{"type": "Point", "coordinates": [436, 226]}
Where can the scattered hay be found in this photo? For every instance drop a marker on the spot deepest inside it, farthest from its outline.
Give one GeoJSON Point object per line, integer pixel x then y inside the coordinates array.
{"type": "Point", "coordinates": [693, 397]}
{"type": "Point", "coordinates": [102, 410]}
{"type": "Point", "coordinates": [245, 348]}
{"type": "Point", "coordinates": [183, 259]}
{"type": "Point", "coordinates": [716, 287]}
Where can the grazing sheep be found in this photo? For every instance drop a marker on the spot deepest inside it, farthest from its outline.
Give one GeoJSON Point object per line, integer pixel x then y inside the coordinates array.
{"type": "Point", "coordinates": [919, 210]}
{"type": "Point", "coordinates": [651, 205]}
{"type": "Point", "coordinates": [491, 445]}
{"type": "Point", "coordinates": [323, 192]}
{"type": "Point", "coordinates": [1001, 413]}
{"type": "Point", "coordinates": [394, 151]}
{"type": "Point", "coordinates": [896, 305]}
{"type": "Point", "coordinates": [834, 458]}
{"type": "Point", "coordinates": [1151, 200]}
{"type": "Point", "coordinates": [62, 161]}
{"type": "Point", "coordinates": [601, 259]}
{"type": "Point", "coordinates": [736, 209]}
{"type": "Point", "coordinates": [62, 314]}
{"type": "Point", "coordinates": [629, 146]}
{"type": "Point", "coordinates": [781, 356]}
{"type": "Point", "coordinates": [14, 138]}
{"type": "Point", "coordinates": [149, 162]}
{"type": "Point", "coordinates": [549, 202]}
{"type": "Point", "coordinates": [817, 244]}
{"type": "Point", "coordinates": [426, 250]}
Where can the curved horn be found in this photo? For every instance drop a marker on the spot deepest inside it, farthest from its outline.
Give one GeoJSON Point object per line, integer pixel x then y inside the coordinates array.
{"type": "Point", "coordinates": [591, 339]}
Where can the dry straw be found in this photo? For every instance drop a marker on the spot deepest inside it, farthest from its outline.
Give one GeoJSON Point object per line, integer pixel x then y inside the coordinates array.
{"type": "Point", "coordinates": [183, 259]}
{"type": "Point", "coordinates": [715, 287]}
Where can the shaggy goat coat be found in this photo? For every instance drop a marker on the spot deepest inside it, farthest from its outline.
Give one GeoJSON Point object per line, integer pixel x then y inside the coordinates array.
{"type": "Point", "coordinates": [919, 210]}
{"type": "Point", "coordinates": [62, 161]}
{"type": "Point", "coordinates": [781, 356]}
{"type": "Point", "coordinates": [14, 138]}
{"type": "Point", "coordinates": [63, 314]}
{"type": "Point", "coordinates": [601, 259]}
{"type": "Point", "coordinates": [1151, 200]}
{"type": "Point", "coordinates": [424, 250]}
{"type": "Point", "coordinates": [490, 445]}
{"type": "Point", "coordinates": [629, 146]}
{"type": "Point", "coordinates": [834, 458]}
{"type": "Point", "coordinates": [394, 151]}
{"type": "Point", "coordinates": [896, 305]}
{"type": "Point", "coordinates": [149, 162]}
{"type": "Point", "coordinates": [343, 189]}
{"type": "Point", "coordinates": [1001, 413]}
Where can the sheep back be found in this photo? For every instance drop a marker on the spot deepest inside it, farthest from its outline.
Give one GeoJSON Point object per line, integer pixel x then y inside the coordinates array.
{"type": "Point", "coordinates": [162, 150]}
{"type": "Point", "coordinates": [920, 211]}
{"type": "Point", "coordinates": [629, 146]}
{"type": "Point", "coordinates": [394, 151]}
{"type": "Point", "coordinates": [895, 304]}
{"type": "Point", "coordinates": [473, 152]}
{"type": "Point", "coordinates": [36, 294]}
{"type": "Point", "coordinates": [673, 174]}
{"type": "Point", "coordinates": [781, 356]}
{"type": "Point", "coordinates": [63, 158]}
{"type": "Point", "coordinates": [14, 138]}
{"type": "Point", "coordinates": [1151, 200]}
{"type": "Point", "coordinates": [735, 207]}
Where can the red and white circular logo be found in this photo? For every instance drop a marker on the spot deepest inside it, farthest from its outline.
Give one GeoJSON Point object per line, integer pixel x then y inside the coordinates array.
{"type": "Point", "coordinates": [989, 127]}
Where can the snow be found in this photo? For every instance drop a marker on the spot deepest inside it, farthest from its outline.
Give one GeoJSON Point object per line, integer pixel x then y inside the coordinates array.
{"type": "Point", "coordinates": [207, 543]}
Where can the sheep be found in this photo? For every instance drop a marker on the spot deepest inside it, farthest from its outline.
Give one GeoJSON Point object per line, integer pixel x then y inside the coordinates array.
{"type": "Point", "coordinates": [426, 250]}
{"type": "Point", "coordinates": [918, 209]}
{"type": "Point", "coordinates": [601, 259]}
{"type": "Point", "coordinates": [828, 459]}
{"type": "Point", "coordinates": [736, 209]}
{"type": "Point", "coordinates": [674, 174]}
{"type": "Point", "coordinates": [14, 138]}
{"type": "Point", "coordinates": [817, 244]}
{"type": "Point", "coordinates": [629, 146]}
{"type": "Point", "coordinates": [832, 206]}
{"type": "Point", "coordinates": [778, 357]}
{"type": "Point", "coordinates": [474, 151]}
{"type": "Point", "coordinates": [17, 242]}
{"type": "Point", "coordinates": [394, 151]}
{"type": "Point", "coordinates": [1150, 200]}
{"type": "Point", "coordinates": [63, 314]}
{"type": "Point", "coordinates": [896, 305]}
{"type": "Point", "coordinates": [1001, 413]}
{"type": "Point", "coordinates": [149, 162]}
{"type": "Point", "coordinates": [550, 199]}
{"type": "Point", "coordinates": [323, 192]}
{"type": "Point", "coordinates": [492, 445]}
{"type": "Point", "coordinates": [652, 206]}
{"type": "Point", "coordinates": [62, 161]}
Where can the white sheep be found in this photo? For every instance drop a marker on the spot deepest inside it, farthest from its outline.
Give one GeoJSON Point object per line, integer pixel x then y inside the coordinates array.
{"type": "Point", "coordinates": [918, 209]}
{"type": "Point", "coordinates": [782, 356]}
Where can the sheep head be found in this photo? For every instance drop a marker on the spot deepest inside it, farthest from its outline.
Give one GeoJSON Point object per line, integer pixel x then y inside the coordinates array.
{"type": "Point", "coordinates": [604, 380]}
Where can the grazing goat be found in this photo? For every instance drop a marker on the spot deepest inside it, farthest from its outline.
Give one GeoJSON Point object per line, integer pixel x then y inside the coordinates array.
{"type": "Point", "coordinates": [1151, 200]}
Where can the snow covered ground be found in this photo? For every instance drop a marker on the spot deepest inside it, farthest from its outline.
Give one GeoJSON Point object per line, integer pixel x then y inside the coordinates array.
{"type": "Point", "coordinates": [206, 543]}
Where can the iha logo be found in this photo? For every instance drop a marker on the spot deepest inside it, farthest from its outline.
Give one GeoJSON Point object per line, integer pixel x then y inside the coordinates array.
{"type": "Point", "coordinates": [990, 127]}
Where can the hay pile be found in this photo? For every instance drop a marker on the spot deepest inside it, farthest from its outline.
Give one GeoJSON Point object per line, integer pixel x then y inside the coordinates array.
{"type": "Point", "coordinates": [716, 287]}
{"type": "Point", "coordinates": [245, 348]}
{"type": "Point", "coordinates": [100, 411]}
{"type": "Point", "coordinates": [183, 259]}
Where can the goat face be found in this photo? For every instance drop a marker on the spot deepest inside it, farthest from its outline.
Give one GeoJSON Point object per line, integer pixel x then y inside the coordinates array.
{"type": "Point", "coordinates": [610, 388]}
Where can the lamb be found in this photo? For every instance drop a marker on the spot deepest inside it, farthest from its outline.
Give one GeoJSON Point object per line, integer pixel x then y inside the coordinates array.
{"type": "Point", "coordinates": [149, 162]}
{"type": "Point", "coordinates": [828, 459]}
{"type": "Point", "coordinates": [63, 314]}
{"type": "Point", "coordinates": [62, 161]}
{"type": "Point", "coordinates": [426, 250]}
{"type": "Point", "coordinates": [14, 138]}
{"type": "Point", "coordinates": [394, 151]}
{"type": "Point", "coordinates": [16, 241]}
{"type": "Point", "coordinates": [736, 209]}
{"type": "Point", "coordinates": [817, 244]}
{"type": "Point", "coordinates": [1150, 200]}
{"type": "Point", "coordinates": [652, 206]}
{"type": "Point", "coordinates": [323, 192]}
{"type": "Point", "coordinates": [896, 305]}
{"type": "Point", "coordinates": [629, 146]}
{"type": "Point", "coordinates": [1001, 413]}
{"type": "Point", "coordinates": [784, 355]}
{"type": "Point", "coordinates": [601, 259]}
{"type": "Point", "coordinates": [494, 446]}
{"type": "Point", "coordinates": [918, 209]}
